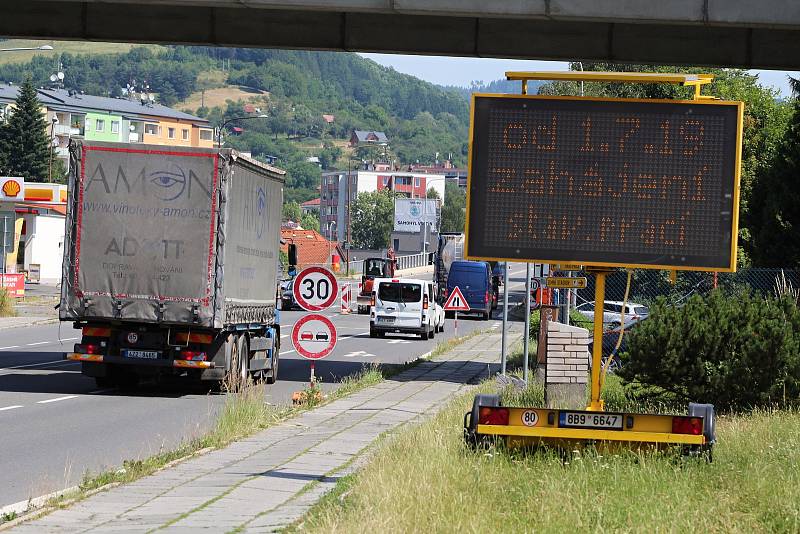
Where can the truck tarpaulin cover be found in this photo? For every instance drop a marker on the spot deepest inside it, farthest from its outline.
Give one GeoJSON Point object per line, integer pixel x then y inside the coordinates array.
{"type": "Point", "coordinates": [143, 227]}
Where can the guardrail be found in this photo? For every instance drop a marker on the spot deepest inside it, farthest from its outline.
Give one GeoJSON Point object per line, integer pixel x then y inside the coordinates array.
{"type": "Point", "coordinates": [411, 261]}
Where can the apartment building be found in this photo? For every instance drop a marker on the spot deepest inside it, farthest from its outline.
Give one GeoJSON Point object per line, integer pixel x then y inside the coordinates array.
{"type": "Point", "coordinates": [96, 118]}
{"type": "Point", "coordinates": [338, 189]}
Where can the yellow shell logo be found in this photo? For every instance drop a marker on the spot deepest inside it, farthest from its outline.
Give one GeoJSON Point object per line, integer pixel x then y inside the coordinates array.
{"type": "Point", "coordinates": [11, 188]}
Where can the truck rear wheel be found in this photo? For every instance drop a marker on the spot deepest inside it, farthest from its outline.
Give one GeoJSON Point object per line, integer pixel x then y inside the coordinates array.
{"type": "Point", "coordinates": [272, 376]}
{"type": "Point", "coordinates": [238, 373]}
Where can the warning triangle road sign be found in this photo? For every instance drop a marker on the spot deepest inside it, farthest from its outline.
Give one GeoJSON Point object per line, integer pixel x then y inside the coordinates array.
{"type": "Point", "coordinates": [456, 301]}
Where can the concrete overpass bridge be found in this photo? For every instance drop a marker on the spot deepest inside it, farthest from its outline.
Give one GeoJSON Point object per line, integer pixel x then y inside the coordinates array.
{"type": "Point", "coordinates": [762, 34]}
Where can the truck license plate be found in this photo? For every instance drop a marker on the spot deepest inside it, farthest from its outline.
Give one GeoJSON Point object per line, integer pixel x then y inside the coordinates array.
{"type": "Point", "coordinates": [143, 354]}
{"type": "Point", "coordinates": [590, 420]}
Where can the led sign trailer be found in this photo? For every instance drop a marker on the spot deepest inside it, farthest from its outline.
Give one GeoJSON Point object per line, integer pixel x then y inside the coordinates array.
{"type": "Point", "coordinates": [638, 183]}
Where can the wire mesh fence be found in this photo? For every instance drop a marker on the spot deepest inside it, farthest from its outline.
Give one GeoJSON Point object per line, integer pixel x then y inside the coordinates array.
{"type": "Point", "coordinates": [648, 285]}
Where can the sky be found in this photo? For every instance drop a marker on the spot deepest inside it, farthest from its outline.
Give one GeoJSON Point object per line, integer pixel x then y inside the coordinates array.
{"type": "Point", "coordinates": [462, 70]}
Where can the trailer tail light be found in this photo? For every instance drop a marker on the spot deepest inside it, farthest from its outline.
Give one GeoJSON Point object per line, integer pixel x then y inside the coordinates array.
{"type": "Point", "coordinates": [492, 416]}
{"type": "Point", "coordinates": [88, 348]}
{"type": "Point", "coordinates": [96, 331]}
{"type": "Point", "coordinates": [191, 337]}
{"type": "Point", "coordinates": [687, 425]}
{"type": "Point", "coordinates": [425, 302]}
{"type": "Point", "coordinates": [191, 355]}
{"type": "Point", "coordinates": [486, 298]}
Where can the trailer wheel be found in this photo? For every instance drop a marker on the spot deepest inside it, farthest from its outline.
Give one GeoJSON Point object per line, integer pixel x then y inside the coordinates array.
{"type": "Point", "coordinates": [238, 374]}
{"type": "Point", "coordinates": [244, 361]}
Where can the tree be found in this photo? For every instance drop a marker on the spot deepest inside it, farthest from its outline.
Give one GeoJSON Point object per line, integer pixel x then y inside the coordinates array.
{"type": "Point", "coordinates": [776, 210]}
{"type": "Point", "coordinates": [310, 221]}
{"type": "Point", "coordinates": [432, 193]}
{"type": "Point", "coordinates": [453, 214]}
{"type": "Point", "coordinates": [26, 144]}
{"type": "Point", "coordinates": [372, 214]}
{"type": "Point", "coordinates": [291, 211]}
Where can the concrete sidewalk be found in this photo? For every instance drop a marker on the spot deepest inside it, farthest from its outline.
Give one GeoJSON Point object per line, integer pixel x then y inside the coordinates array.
{"type": "Point", "coordinates": [271, 479]}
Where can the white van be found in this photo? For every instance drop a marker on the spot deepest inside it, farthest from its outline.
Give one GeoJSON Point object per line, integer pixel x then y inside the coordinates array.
{"type": "Point", "coordinates": [406, 306]}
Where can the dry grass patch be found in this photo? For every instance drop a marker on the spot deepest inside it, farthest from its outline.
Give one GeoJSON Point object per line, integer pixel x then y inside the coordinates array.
{"type": "Point", "coordinates": [219, 96]}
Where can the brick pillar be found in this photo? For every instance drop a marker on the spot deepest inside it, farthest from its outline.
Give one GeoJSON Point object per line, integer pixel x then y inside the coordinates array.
{"type": "Point", "coordinates": [567, 367]}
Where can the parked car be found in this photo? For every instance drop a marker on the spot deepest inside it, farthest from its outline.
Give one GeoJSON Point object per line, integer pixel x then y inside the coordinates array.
{"type": "Point", "coordinates": [287, 295]}
{"type": "Point", "coordinates": [612, 311]}
{"type": "Point", "coordinates": [610, 339]}
{"type": "Point", "coordinates": [405, 306]}
{"type": "Point", "coordinates": [474, 279]}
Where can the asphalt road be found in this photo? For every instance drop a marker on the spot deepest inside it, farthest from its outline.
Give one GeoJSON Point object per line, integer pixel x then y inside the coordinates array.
{"type": "Point", "coordinates": [57, 425]}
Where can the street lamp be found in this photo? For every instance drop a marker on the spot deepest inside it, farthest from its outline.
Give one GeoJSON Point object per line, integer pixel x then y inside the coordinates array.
{"type": "Point", "coordinates": [52, 137]}
{"type": "Point", "coordinates": [330, 223]}
{"type": "Point", "coordinates": [22, 48]}
{"type": "Point", "coordinates": [222, 127]}
{"type": "Point", "coordinates": [347, 235]}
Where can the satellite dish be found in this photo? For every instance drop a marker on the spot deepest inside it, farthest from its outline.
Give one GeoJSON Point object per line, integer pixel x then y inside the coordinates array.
{"type": "Point", "coordinates": [152, 97]}
{"type": "Point", "coordinates": [60, 75]}
{"type": "Point", "coordinates": [53, 77]}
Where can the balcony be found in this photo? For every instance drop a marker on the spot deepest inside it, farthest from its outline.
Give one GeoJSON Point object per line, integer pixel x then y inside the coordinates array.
{"type": "Point", "coordinates": [133, 138]}
{"type": "Point", "coordinates": [61, 151]}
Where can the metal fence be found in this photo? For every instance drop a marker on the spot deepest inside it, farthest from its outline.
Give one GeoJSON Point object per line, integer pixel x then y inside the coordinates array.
{"type": "Point", "coordinates": [647, 285]}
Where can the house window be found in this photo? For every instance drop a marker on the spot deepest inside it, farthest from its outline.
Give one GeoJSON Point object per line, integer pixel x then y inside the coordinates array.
{"type": "Point", "coordinates": [114, 126]}
{"type": "Point", "coordinates": [205, 135]}
{"type": "Point", "coordinates": [185, 134]}
{"type": "Point", "coordinates": [100, 125]}
{"type": "Point", "coordinates": [417, 181]}
{"type": "Point", "coordinates": [151, 129]}
{"type": "Point", "coordinates": [385, 180]}
{"type": "Point", "coordinates": [171, 133]}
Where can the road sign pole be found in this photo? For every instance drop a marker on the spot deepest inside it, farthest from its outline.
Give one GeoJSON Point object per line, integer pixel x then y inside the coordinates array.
{"type": "Point", "coordinates": [311, 381]}
{"type": "Point", "coordinates": [455, 327]}
{"type": "Point", "coordinates": [526, 340]}
{"type": "Point", "coordinates": [505, 321]}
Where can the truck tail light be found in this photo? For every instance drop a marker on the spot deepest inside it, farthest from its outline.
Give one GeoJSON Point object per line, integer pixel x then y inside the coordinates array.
{"type": "Point", "coordinates": [192, 355]}
{"type": "Point", "coordinates": [88, 348]}
{"type": "Point", "coordinates": [492, 416]}
{"type": "Point", "coordinates": [425, 302]}
{"type": "Point", "coordinates": [96, 331]}
{"type": "Point", "coordinates": [687, 425]}
{"type": "Point", "coordinates": [486, 298]}
{"type": "Point", "coordinates": [190, 337]}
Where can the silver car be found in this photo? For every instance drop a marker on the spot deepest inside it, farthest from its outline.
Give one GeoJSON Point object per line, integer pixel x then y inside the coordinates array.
{"type": "Point", "coordinates": [612, 311]}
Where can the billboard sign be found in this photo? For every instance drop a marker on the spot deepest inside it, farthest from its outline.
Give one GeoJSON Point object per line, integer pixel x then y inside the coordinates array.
{"type": "Point", "coordinates": [411, 213]}
{"type": "Point", "coordinates": [642, 183]}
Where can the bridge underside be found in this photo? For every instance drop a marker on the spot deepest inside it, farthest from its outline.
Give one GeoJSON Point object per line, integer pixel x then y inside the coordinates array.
{"type": "Point", "coordinates": [671, 40]}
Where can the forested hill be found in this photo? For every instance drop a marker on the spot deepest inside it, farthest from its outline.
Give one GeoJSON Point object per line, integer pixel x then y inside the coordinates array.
{"type": "Point", "coordinates": [295, 88]}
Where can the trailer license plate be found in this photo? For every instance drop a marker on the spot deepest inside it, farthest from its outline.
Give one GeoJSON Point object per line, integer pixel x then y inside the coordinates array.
{"type": "Point", "coordinates": [143, 354]}
{"type": "Point", "coordinates": [590, 420]}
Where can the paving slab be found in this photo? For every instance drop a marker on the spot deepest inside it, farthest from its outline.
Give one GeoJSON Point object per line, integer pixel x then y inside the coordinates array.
{"type": "Point", "coordinates": [269, 480]}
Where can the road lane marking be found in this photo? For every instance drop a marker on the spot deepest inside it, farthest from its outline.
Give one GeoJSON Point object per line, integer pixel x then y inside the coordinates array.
{"type": "Point", "coordinates": [4, 408]}
{"type": "Point", "coordinates": [70, 338]}
{"type": "Point", "coordinates": [59, 362]}
{"type": "Point", "coordinates": [57, 399]}
{"type": "Point", "coordinates": [11, 347]}
{"type": "Point", "coordinates": [37, 343]}
{"type": "Point", "coordinates": [396, 341]}
{"type": "Point", "coordinates": [285, 352]}
{"type": "Point", "coordinates": [360, 353]}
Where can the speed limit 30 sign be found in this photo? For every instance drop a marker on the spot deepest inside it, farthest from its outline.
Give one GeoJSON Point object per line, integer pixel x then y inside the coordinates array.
{"type": "Point", "coordinates": [315, 288]}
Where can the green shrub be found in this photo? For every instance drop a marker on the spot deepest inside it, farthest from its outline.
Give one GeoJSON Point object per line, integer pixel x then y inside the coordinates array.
{"type": "Point", "coordinates": [736, 353]}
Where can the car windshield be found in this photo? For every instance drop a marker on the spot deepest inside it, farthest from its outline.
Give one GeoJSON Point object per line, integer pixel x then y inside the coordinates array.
{"type": "Point", "coordinates": [587, 306]}
{"type": "Point", "coordinates": [473, 278]}
{"type": "Point", "coordinates": [641, 310]}
{"type": "Point", "coordinates": [399, 292]}
{"type": "Point", "coordinates": [374, 268]}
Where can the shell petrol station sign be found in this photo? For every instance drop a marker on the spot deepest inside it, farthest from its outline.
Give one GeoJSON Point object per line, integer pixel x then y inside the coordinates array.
{"type": "Point", "coordinates": [18, 196]}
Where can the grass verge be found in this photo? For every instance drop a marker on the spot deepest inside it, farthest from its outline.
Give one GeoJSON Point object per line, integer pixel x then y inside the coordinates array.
{"type": "Point", "coordinates": [426, 480]}
{"type": "Point", "coordinates": [6, 304]}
